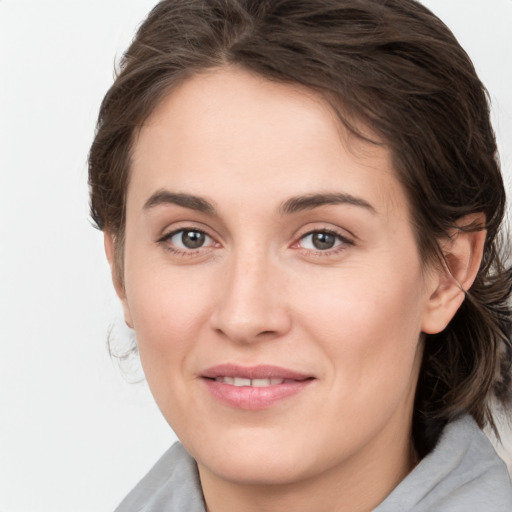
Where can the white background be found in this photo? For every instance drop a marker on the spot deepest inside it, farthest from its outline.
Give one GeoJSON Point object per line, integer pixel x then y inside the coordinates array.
{"type": "Point", "coordinates": [74, 436]}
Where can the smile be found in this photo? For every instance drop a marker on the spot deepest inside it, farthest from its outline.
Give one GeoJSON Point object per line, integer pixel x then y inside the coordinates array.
{"type": "Point", "coordinates": [253, 388]}
{"type": "Point", "coordinates": [254, 383]}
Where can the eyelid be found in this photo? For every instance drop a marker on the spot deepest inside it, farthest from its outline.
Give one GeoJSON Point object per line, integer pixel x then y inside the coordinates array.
{"type": "Point", "coordinates": [165, 240]}
{"type": "Point", "coordinates": [184, 225]}
{"type": "Point", "coordinates": [311, 228]}
{"type": "Point", "coordinates": [346, 240]}
{"type": "Point", "coordinates": [170, 234]}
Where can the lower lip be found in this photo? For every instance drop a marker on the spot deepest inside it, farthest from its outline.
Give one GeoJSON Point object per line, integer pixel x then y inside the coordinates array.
{"type": "Point", "coordinates": [254, 398]}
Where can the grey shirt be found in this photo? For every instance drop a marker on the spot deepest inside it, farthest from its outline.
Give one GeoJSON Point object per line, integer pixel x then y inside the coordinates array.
{"type": "Point", "coordinates": [462, 474]}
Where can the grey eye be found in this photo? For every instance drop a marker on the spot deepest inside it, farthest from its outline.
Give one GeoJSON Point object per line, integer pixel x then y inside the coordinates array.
{"type": "Point", "coordinates": [321, 241]}
{"type": "Point", "coordinates": [190, 239]}
{"type": "Point", "coordinates": [193, 239]}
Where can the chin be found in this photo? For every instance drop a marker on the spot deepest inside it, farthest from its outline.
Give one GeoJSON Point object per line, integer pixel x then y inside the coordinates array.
{"type": "Point", "coordinates": [262, 469]}
{"type": "Point", "coordinates": [254, 459]}
{"type": "Point", "coordinates": [261, 458]}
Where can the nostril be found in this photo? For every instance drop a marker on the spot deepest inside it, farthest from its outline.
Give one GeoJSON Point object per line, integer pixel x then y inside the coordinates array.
{"type": "Point", "coordinates": [246, 319]}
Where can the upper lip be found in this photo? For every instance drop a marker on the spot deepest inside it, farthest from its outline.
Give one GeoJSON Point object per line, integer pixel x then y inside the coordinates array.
{"type": "Point", "coordinates": [263, 371]}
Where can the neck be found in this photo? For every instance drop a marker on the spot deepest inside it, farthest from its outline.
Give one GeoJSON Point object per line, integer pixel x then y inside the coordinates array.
{"type": "Point", "coordinates": [358, 484]}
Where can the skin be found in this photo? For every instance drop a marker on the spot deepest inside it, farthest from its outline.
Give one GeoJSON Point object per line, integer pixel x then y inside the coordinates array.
{"type": "Point", "coordinates": [258, 291]}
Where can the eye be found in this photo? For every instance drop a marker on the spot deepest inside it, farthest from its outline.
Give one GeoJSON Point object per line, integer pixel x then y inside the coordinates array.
{"type": "Point", "coordinates": [323, 240]}
{"type": "Point", "coordinates": [188, 239]}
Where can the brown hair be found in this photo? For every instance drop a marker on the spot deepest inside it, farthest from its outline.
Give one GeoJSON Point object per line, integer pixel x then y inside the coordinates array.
{"type": "Point", "coordinates": [395, 67]}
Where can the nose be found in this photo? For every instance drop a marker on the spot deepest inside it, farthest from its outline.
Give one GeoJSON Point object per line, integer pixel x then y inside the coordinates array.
{"type": "Point", "coordinates": [251, 303]}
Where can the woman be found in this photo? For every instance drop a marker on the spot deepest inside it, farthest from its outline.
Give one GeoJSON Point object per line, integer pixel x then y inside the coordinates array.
{"type": "Point", "coordinates": [301, 204]}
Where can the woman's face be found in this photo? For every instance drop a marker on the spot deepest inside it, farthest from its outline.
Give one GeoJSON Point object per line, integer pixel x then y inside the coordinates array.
{"type": "Point", "coordinates": [273, 282]}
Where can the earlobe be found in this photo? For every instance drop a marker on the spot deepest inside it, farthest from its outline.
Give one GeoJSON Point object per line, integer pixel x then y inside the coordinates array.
{"type": "Point", "coordinates": [110, 252]}
{"type": "Point", "coordinates": [462, 252]}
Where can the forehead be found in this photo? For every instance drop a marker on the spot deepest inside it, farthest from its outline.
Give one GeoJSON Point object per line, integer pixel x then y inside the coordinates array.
{"type": "Point", "coordinates": [228, 131]}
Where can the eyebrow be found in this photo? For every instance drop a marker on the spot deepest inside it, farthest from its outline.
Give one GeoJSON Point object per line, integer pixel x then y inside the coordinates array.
{"type": "Point", "coordinates": [292, 205]}
{"type": "Point", "coordinates": [311, 201]}
{"type": "Point", "coordinates": [185, 200]}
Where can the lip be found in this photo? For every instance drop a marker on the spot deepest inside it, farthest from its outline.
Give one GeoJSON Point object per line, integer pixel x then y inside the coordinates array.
{"type": "Point", "coordinates": [262, 371]}
{"type": "Point", "coordinates": [254, 398]}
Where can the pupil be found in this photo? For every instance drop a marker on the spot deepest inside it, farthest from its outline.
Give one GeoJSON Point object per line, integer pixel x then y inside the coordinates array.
{"type": "Point", "coordinates": [192, 239]}
{"type": "Point", "coordinates": [323, 240]}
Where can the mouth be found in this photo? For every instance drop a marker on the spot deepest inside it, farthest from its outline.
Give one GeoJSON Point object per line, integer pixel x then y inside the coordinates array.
{"type": "Point", "coordinates": [253, 383]}
{"type": "Point", "coordinates": [253, 388]}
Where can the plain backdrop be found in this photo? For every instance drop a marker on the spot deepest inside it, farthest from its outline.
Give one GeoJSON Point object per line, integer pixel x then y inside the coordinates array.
{"type": "Point", "coordinates": [74, 435]}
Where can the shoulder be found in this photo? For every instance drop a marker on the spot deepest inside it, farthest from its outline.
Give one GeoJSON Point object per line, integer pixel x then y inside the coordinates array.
{"type": "Point", "coordinates": [172, 484]}
{"type": "Point", "coordinates": [462, 473]}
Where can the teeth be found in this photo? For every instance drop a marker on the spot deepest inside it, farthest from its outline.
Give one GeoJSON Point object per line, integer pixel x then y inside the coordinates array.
{"type": "Point", "coordinates": [261, 383]}
{"type": "Point", "coordinates": [255, 383]}
{"type": "Point", "coordinates": [239, 381]}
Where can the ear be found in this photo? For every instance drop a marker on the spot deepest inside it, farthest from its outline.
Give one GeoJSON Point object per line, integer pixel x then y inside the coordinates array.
{"type": "Point", "coordinates": [448, 285]}
{"type": "Point", "coordinates": [110, 251]}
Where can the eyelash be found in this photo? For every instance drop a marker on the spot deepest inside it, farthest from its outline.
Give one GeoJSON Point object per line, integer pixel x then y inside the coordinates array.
{"type": "Point", "coordinates": [342, 245]}
{"type": "Point", "coordinates": [164, 240]}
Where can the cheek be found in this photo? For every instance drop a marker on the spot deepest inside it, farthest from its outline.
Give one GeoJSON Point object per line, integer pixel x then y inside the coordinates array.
{"type": "Point", "coordinates": [369, 324]}
{"type": "Point", "coordinates": [169, 307]}
{"type": "Point", "coordinates": [358, 300]}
